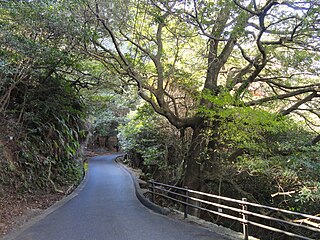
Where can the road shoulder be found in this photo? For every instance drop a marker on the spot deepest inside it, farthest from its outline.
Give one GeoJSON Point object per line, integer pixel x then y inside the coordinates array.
{"type": "Point", "coordinates": [35, 215]}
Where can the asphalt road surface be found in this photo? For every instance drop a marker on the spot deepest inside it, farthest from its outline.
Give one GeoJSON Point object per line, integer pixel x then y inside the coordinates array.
{"type": "Point", "coordinates": [107, 209]}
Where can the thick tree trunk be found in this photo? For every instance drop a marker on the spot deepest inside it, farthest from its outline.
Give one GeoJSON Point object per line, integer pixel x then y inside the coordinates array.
{"type": "Point", "coordinates": [194, 160]}
{"type": "Point", "coordinates": [192, 175]}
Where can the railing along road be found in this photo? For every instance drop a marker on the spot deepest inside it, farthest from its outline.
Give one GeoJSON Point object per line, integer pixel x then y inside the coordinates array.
{"type": "Point", "coordinates": [238, 210]}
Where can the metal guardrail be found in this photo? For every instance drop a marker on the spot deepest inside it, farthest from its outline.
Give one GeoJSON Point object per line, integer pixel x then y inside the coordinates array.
{"type": "Point", "coordinates": [187, 197]}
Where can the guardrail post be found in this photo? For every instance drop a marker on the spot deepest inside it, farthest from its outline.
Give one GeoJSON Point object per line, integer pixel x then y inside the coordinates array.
{"type": "Point", "coordinates": [153, 191]}
{"type": "Point", "coordinates": [245, 218]}
{"type": "Point", "coordinates": [186, 201]}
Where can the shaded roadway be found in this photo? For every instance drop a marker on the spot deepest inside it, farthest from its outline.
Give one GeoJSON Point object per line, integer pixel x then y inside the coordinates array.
{"type": "Point", "coordinates": [107, 209]}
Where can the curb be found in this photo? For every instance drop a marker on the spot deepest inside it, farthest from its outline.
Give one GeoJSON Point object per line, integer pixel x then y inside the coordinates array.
{"type": "Point", "coordinates": [46, 212]}
{"type": "Point", "coordinates": [146, 202]}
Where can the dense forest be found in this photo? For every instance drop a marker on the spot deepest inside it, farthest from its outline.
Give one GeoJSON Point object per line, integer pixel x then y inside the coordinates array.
{"type": "Point", "coordinates": [219, 96]}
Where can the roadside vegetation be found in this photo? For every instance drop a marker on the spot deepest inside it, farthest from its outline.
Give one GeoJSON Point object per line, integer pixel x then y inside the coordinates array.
{"type": "Point", "coordinates": [218, 96]}
{"type": "Point", "coordinates": [41, 113]}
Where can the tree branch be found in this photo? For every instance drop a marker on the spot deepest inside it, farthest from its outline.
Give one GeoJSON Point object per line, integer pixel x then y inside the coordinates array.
{"type": "Point", "coordinates": [298, 104]}
{"type": "Point", "coordinates": [279, 97]}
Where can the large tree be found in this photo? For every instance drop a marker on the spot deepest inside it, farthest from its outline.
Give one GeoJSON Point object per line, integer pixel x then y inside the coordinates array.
{"type": "Point", "coordinates": [188, 56]}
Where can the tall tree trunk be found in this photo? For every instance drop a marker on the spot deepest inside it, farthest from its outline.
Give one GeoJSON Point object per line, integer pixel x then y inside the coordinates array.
{"type": "Point", "coordinates": [195, 158]}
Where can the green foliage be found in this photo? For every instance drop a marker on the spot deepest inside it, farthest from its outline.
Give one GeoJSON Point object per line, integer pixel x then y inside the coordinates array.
{"type": "Point", "coordinates": [107, 109]}
{"type": "Point", "coordinates": [152, 144]}
{"type": "Point", "coordinates": [165, 52]}
{"type": "Point", "coordinates": [142, 135]}
{"type": "Point", "coordinates": [265, 153]}
{"type": "Point", "coordinates": [39, 96]}
{"type": "Point", "coordinates": [49, 142]}
{"type": "Point", "coordinates": [242, 127]}
{"type": "Point", "coordinates": [298, 168]}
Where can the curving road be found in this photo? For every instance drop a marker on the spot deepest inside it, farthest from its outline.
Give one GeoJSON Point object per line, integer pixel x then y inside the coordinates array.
{"type": "Point", "coordinates": [107, 209]}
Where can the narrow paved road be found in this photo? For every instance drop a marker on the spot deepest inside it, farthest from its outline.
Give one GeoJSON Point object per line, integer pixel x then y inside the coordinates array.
{"type": "Point", "coordinates": [107, 209]}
